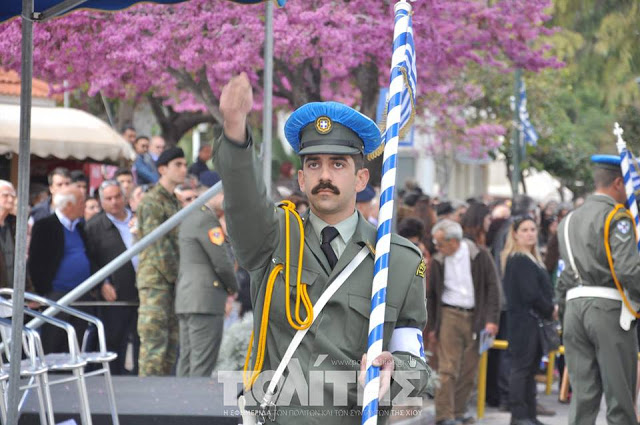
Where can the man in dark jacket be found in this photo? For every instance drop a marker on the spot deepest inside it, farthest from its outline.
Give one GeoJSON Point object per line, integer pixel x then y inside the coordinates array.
{"type": "Point", "coordinates": [463, 301]}
{"type": "Point", "coordinates": [200, 165]}
{"type": "Point", "coordinates": [59, 179]}
{"type": "Point", "coordinates": [7, 233]}
{"type": "Point", "coordinates": [109, 235]}
{"type": "Point", "coordinates": [58, 260]}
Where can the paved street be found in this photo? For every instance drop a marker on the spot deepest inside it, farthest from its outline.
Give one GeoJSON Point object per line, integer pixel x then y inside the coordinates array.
{"type": "Point", "coordinates": [495, 417]}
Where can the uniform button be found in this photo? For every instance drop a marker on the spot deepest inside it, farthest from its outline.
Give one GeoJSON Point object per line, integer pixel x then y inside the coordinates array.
{"type": "Point", "coordinates": [216, 283]}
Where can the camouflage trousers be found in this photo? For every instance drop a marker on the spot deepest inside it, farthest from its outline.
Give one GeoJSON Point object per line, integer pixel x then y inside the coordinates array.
{"type": "Point", "coordinates": [158, 330]}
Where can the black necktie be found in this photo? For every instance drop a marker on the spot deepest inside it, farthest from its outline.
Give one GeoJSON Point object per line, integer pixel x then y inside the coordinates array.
{"type": "Point", "coordinates": [328, 234]}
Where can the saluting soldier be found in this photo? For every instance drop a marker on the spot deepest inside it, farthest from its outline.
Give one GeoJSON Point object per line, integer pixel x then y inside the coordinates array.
{"type": "Point", "coordinates": [601, 345]}
{"type": "Point", "coordinates": [158, 269]}
{"type": "Point", "coordinates": [206, 278]}
{"type": "Point", "coordinates": [331, 140]}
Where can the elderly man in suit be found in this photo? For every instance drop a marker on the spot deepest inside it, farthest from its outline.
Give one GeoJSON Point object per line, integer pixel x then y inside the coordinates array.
{"type": "Point", "coordinates": [206, 278]}
{"type": "Point", "coordinates": [58, 260]}
{"type": "Point", "coordinates": [109, 235]}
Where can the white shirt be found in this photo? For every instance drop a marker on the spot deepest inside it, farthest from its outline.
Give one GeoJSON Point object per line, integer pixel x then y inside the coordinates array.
{"type": "Point", "coordinates": [125, 234]}
{"type": "Point", "coordinates": [68, 224]}
{"type": "Point", "coordinates": [458, 283]}
{"type": "Point", "coordinates": [346, 228]}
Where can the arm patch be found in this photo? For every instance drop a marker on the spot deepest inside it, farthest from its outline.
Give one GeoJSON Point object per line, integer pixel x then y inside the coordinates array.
{"type": "Point", "coordinates": [422, 268]}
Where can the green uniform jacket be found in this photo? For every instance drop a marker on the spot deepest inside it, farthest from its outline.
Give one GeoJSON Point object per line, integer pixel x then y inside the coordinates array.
{"type": "Point", "coordinates": [158, 266]}
{"type": "Point", "coordinates": [206, 272]}
{"type": "Point", "coordinates": [338, 338]}
{"type": "Point", "coordinates": [586, 234]}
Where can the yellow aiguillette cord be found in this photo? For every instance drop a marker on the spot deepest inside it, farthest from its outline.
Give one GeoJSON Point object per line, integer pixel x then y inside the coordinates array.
{"type": "Point", "coordinates": [301, 295]}
{"type": "Point", "coordinates": [607, 247]}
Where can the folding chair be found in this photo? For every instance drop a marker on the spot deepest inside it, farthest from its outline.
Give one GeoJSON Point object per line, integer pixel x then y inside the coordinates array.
{"type": "Point", "coordinates": [64, 362]}
{"type": "Point", "coordinates": [102, 357]}
{"type": "Point", "coordinates": [32, 368]}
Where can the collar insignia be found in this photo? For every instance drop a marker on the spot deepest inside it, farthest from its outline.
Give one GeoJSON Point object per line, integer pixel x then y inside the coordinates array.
{"type": "Point", "coordinates": [422, 268]}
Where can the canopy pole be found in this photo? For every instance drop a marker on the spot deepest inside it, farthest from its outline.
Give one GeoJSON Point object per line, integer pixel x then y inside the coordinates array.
{"type": "Point", "coordinates": [58, 9]}
{"type": "Point", "coordinates": [267, 111]}
{"type": "Point", "coordinates": [515, 141]}
{"type": "Point", "coordinates": [20, 263]}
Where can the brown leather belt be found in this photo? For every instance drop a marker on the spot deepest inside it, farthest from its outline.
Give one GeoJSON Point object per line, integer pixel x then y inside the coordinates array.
{"type": "Point", "coordinates": [466, 310]}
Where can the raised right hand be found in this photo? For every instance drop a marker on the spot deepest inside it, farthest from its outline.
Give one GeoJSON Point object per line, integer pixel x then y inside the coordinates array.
{"type": "Point", "coordinates": [236, 101]}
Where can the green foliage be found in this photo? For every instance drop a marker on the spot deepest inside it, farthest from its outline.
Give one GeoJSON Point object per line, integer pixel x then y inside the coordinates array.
{"type": "Point", "coordinates": [574, 108]}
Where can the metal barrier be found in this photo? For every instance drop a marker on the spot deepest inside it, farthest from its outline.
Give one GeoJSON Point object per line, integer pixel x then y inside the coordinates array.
{"type": "Point", "coordinates": [123, 258]}
{"type": "Point", "coordinates": [500, 344]}
{"type": "Point", "coordinates": [482, 373]}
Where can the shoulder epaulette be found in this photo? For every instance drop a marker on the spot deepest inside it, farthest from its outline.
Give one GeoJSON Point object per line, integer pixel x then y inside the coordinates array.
{"type": "Point", "coordinates": [622, 214]}
{"type": "Point", "coordinates": [399, 240]}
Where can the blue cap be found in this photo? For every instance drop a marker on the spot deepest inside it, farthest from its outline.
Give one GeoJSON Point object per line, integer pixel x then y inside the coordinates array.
{"type": "Point", "coordinates": [606, 161]}
{"type": "Point", "coordinates": [331, 127]}
{"type": "Point", "coordinates": [209, 178]}
{"type": "Point", "coordinates": [366, 195]}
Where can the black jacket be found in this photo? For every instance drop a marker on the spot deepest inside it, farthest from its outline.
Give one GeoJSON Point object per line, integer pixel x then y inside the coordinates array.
{"type": "Point", "coordinates": [528, 289]}
{"type": "Point", "coordinates": [41, 210]}
{"type": "Point", "coordinates": [105, 244]}
{"type": "Point", "coordinates": [46, 250]}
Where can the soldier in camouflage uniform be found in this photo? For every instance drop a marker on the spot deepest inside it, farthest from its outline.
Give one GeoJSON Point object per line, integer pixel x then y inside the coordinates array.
{"type": "Point", "coordinates": [158, 269]}
{"type": "Point", "coordinates": [600, 352]}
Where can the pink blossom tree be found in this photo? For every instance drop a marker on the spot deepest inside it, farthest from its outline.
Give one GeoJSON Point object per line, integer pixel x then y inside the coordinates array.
{"type": "Point", "coordinates": [180, 56]}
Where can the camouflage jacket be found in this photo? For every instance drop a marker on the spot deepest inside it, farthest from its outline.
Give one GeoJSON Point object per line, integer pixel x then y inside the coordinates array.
{"type": "Point", "coordinates": [158, 266]}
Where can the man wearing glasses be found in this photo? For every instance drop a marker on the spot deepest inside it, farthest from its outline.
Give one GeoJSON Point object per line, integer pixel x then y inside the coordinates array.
{"type": "Point", "coordinates": [7, 233]}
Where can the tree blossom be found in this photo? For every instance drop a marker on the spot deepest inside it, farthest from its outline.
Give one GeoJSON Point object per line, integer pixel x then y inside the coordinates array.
{"type": "Point", "coordinates": [324, 50]}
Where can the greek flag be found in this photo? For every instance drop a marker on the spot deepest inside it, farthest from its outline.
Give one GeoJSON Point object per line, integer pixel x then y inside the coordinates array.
{"type": "Point", "coordinates": [407, 66]}
{"type": "Point", "coordinates": [529, 133]}
{"type": "Point", "coordinates": [404, 63]}
{"type": "Point", "coordinates": [400, 111]}
{"type": "Point", "coordinates": [629, 169]}
{"type": "Point", "coordinates": [634, 170]}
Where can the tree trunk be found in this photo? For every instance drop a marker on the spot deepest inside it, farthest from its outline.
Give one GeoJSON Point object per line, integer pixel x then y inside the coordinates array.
{"type": "Point", "coordinates": [175, 124]}
{"type": "Point", "coordinates": [124, 115]}
{"type": "Point", "coordinates": [367, 82]}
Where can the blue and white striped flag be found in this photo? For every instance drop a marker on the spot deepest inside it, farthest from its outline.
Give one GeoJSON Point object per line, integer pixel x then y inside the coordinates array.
{"type": "Point", "coordinates": [631, 175]}
{"type": "Point", "coordinates": [529, 133]}
{"type": "Point", "coordinates": [400, 112]}
{"type": "Point", "coordinates": [403, 62]}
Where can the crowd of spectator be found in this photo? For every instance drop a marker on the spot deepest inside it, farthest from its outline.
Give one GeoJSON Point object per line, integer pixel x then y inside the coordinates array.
{"type": "Point", "coordinates": [492, 267]}
{"type": "Point", "coordinates": [491, 264]}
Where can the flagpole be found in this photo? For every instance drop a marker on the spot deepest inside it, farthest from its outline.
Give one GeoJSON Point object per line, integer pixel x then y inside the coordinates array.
{"type": "Point", "coordinates": [515, 140]}
{"type": "Point", "coordinates": [402, 12]}
{"type": "Point", "coordinates": [267, 112]}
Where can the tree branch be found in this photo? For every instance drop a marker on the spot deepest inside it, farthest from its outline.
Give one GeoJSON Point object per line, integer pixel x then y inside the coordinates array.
{"type": "Point", "coordinates": [201, 90]}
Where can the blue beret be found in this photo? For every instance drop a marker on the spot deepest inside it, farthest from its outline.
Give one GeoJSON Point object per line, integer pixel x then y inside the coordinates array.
{"type": "Point", "coordinates": [331, 127]}
{"type": "Point", "coordinates": [606, 161]}
{"type": "Point", "coordinates": [366, 195]}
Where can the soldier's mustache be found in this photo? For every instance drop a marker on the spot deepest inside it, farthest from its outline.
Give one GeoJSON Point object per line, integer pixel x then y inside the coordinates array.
{"type": "Point", "coordinates": [325, 185]}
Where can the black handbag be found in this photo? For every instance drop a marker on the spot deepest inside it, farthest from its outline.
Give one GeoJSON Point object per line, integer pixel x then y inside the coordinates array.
{"type": "Point", "coordinates": [549, 335]}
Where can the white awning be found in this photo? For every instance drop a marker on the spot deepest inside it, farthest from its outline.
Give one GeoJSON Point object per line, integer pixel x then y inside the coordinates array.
{"type": "Point", "coordinates": [63, 133]}
{"type": "Point", "coordinates": [541, 185]}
